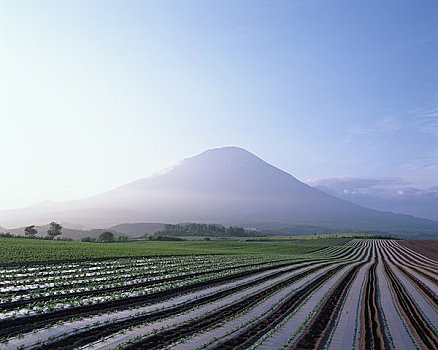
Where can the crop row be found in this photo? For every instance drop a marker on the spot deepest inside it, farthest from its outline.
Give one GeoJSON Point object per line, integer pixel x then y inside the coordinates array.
{"type": "Point", "coordinates": [366, 294]}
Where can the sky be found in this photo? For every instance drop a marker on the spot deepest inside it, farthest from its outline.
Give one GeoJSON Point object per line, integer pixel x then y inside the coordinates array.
{"type": "Point", "coordinates": [95, 94]}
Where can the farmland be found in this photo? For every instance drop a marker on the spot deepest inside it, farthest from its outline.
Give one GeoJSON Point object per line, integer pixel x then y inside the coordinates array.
{"type": "Point", "coordinates": [315, 294]}
{"type": "Point", "coordinates": [19, 250]}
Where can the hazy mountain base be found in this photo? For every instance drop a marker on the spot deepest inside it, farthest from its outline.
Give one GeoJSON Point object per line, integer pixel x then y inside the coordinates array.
{"type": "Point", "coordinates": [142, 229]}
{"type": "Point", "coordinates": [227, 186]}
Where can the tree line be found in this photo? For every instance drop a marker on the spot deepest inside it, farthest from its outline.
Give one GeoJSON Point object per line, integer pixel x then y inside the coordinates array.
{"type": "Point", "coordinates": [105, 237]}
{"type": "Point", "coordinates": [192, 229]}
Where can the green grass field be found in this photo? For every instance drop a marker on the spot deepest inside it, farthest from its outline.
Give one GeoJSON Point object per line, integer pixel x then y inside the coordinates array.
{"type": "Point", "coordinates": [17, 250]}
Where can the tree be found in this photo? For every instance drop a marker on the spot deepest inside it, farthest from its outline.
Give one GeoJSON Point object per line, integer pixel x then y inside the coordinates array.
{"type": "Point", "coordinates": [30, 231]}
{"type": "Point", "coordinates": [54, 230]}
{"type": "Point", "coordinates": [106, 236]}
{"type": "Point", "coordinates": [235, 231]}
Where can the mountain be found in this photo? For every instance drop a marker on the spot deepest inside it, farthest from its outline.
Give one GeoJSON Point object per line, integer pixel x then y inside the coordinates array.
{"type": "Point", "coordinates": [229, 186]}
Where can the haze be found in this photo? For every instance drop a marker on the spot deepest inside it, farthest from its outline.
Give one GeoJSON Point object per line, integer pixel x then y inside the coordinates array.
{"type": "Point", "coordinates": [95, 94]}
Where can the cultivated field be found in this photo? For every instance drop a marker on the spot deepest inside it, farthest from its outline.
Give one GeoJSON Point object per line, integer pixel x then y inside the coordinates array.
{"type": "Point", "coordinates": [364, 294]}
{"type": "Point", "coordinates": [22, 250]}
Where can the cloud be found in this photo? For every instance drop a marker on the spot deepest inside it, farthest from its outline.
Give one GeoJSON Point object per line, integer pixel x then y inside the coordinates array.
{"type": "Point", "coordinates": [427, 121]}
{"type": "Point", "coordinates": [405, 143]}
{"type": "Point", "coordinates": [419, 120]}
{"type": "Point", "coordinates": [389, 194]}
{"type": "Point", "coordinates": [374, 136]}
{"type": "Point", "coordinates": [424, 169]}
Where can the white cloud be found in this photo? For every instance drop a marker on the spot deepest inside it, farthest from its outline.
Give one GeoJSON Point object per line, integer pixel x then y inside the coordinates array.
{"type": "Point", "coordinates": [427, 122]}
{"type": "Point", "coordinates": [390, 194]}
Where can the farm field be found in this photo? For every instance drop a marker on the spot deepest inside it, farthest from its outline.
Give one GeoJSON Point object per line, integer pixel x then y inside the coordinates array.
{"type": "Point", "coordinates": [19, 250]}
{"type": "Point", "coordinates": [334, 294]}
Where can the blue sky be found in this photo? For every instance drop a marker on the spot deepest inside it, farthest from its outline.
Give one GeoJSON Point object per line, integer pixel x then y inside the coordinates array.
{"type": "Point", "coordinates": [94, 94]}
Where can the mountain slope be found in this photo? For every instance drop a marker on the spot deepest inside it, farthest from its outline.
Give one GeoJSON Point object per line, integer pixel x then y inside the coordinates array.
{"type": "Point", "coordinates": [226, 185]}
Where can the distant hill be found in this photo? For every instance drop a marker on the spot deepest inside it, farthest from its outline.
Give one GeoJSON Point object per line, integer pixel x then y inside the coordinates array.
{"type": "Point", "coordinates": [66, 232]}
{"type": "Point", "coordinates": [130, 230]}
{"type": "Point", "coordinates": [228, 186]}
